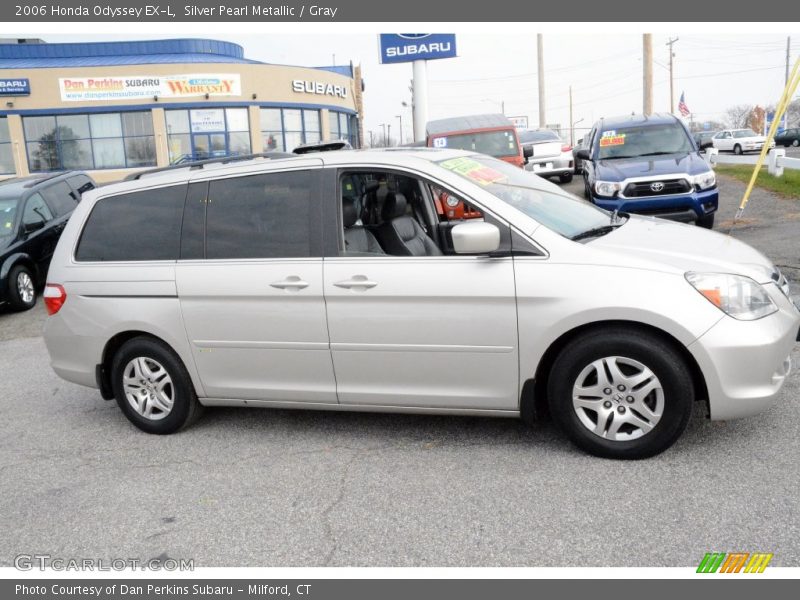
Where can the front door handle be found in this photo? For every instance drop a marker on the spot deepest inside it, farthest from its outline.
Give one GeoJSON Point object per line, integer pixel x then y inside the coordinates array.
{"type": "Point", "coordinates": [357, 282]}
{"type": "Point", "coordinates": [293, 282]}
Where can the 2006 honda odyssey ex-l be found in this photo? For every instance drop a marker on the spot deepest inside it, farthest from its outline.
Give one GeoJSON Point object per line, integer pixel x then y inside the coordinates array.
{"type": "Point", "coordinates": [330, 281]}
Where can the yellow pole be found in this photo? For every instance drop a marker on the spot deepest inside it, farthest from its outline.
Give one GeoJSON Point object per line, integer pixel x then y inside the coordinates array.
{"type": "Point", "coordinates": [783, 103]}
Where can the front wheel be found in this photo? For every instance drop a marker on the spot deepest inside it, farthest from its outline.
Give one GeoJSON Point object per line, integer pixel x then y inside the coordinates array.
{"type": "Point", "coordinates": [587, 191]}
{"type": "Point", "coordinates": [152, 387]}
{"type": "Point", "coordinates": [795, 143]}
{"type": "Point", "coordinates": [737, 149]}
{"type": "Point", "coordinates": [621, 393]}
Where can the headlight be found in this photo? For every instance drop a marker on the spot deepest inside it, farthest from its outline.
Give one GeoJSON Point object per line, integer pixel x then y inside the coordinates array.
{"type": "Point", "coordinates": [735, 295]}
{"type": "Point", "coordinates": [452, 201]}
{"type": "Point", "coordinates": [705, 180]}
{"type": "Point", "coordinates": [606, 188]}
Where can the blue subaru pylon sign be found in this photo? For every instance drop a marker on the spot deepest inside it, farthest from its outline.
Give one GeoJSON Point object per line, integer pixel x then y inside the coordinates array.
{"type": "Point", "coordinates": [15, 87]}
{"type": "Point", "coordinates": [408, 47]}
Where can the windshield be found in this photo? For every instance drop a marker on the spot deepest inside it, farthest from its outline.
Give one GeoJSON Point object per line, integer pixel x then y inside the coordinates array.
{"type": "Point", "coordinates": [493, 143]}
{"type": "Point", "coordinates": [644, 140]}
{"type": "Point", "coordinates": [8, 210]}
{"type": "Point", "coordinates": [542, 135]}
{"type": "Point", "coordinates": [744, 133]}
{"type": "Point", "coordinates": [556, 210]}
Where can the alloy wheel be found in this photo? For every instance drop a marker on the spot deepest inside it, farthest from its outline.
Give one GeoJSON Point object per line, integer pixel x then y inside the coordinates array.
{"type": "Point", "coordinates": [25, 287]}
{"type": "Point", "coordinates": [148, 388]}
{"type": "Point", "coordinates": [618, 398]}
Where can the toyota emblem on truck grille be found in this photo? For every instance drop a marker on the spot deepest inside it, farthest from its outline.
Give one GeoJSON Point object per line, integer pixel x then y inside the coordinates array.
{"type": "Point", "coordinates": [657, 186]}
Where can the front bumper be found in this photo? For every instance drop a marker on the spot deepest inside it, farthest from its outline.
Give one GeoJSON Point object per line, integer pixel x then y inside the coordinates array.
{"type": "Point", "coordinates": [745, 363]}
{"type": "Point", "coordinates": [684, 207]}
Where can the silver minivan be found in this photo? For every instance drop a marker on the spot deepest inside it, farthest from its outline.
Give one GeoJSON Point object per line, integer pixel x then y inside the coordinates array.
{"type": "Point", "coordinates": [346, 281]}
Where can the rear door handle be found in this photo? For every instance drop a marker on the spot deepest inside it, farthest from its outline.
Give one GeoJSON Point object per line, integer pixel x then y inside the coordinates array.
{"type": "Point", "coordinates": [358, 282]}
{"type": "Point", "coordinates": [293, 282]}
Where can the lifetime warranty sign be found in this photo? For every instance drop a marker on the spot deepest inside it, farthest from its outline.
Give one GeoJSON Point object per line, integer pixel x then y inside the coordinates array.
{"type": "Point", "coordinates": [86, 89]}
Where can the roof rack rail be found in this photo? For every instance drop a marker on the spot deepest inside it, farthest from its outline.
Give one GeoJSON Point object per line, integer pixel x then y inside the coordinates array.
{"type": "Point", "coordinates": [36, 179]}
{"type": "Point", "coordinates": [199, 164]}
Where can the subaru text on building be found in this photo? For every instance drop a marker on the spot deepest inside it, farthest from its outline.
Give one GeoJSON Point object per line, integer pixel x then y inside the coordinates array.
{"type": "Point", "coordinates": [649, 165]}
{"type": "Point", "coordinates": [290, 282]}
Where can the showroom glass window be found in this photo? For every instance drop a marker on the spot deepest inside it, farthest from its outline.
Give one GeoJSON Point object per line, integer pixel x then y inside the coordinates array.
{"type": "Point", "coordinates": [90, 141]}
{"type": "Point", "coordinates": [343, 127]}
{"type": "Point", "coordinates": [201, 133]}
{"type": "Point", "coordinates": [284, 129]}
{"type": "Point", "coordinates": [6, 153]}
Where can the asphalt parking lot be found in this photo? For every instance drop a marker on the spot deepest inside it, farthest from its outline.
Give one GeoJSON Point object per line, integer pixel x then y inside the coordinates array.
{"type": "Point", "coordinates": [281, 488]}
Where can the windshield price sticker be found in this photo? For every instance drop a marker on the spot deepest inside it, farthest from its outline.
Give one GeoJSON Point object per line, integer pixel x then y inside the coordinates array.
{"type": "Point", "coordinates": [612, 140]}
{"type": "Point", "coordinates": [471, 169]}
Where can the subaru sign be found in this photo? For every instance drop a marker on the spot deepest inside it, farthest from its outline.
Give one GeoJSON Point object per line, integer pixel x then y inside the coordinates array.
{"type": "Point", "coordinates": [408, 47]}
{"type": "Point", "coordinates": [15, 87]}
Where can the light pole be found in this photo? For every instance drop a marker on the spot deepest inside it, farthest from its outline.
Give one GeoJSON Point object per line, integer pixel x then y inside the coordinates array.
{"type": "Point", "coordinates": [572, 132]}
{"type": "Point", "coordinates": [502, 104]}
{"type": "Point", "coordinates": [383, 126]}
{"type": "Point", "coordinates": [401, 129]}
{"type": "Point", "coordinates": [388, 134]}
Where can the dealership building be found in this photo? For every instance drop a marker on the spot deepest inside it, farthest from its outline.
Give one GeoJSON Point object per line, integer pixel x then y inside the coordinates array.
{"type": "Point", "coordinates": [111, 108]}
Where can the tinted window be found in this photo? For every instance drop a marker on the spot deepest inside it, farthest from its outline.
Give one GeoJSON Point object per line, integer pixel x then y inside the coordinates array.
{"type": "Point", "coordinates": [60, 197]}
{"type": "Point", "coordinates": [541, 135]}
{"type": "Point", "coordinates": [139, 226]}
{"type": "Point", "coordinates": [194, 219]}
{"type": "Point", "coordinates": [493, 143]}
{"type": "Point", "coordinates": [36, 211]}
{"type": "Point", "coordinates": [263, 216]}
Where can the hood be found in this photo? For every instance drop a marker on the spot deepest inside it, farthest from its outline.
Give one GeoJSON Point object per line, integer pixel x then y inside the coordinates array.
{"type": "Point", "coordinates": [685, 247]}
{"type": "Point", "coordinates": [669, 164]}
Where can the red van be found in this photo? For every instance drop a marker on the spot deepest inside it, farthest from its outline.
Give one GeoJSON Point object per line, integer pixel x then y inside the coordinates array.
{"type": "Point", "coordinates": [494, 135]}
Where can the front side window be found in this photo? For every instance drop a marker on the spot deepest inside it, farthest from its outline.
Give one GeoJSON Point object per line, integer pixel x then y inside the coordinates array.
{"type": "Point", "coordinates": [563, 213]}
{"type": "Point", "coordinates": [271, 215]}
{"type": "Point", "coordinates": [36, 211]}
{"type": "Point", "coordinates": [95, 141]}
{"type": "Point", "coordinates": [139, 226]}
{"type": "Point", "coordinates": [644, 140]}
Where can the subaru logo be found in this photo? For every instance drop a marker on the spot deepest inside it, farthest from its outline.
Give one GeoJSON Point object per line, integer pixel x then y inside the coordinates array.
{"type": "Point", "coordinates": [657, 186]}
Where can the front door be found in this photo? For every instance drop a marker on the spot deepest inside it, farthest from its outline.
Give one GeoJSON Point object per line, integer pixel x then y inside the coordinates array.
{"type": "Point", "coordinates": [251, 288]}
{"type": "Point", "coordinates": [423, 331]}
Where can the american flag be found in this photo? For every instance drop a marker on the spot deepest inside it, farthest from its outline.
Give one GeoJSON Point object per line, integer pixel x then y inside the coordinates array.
{"type": "Point", "coordinates": [682, 106]}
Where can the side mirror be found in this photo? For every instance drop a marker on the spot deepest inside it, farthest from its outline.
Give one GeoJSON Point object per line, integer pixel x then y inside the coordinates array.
{"type": "Point", "coordinates": [583, 154]}
{"type": "Point", "coordinates": [29, 228]}
{"type": "Point", "coordinates": [475, 238]}
{"type": "Point", "coordinates": [527, 151]}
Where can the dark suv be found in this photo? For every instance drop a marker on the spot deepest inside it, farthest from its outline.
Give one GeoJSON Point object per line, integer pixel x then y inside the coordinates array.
{"type": "Point", "coordinates": [33, 213]}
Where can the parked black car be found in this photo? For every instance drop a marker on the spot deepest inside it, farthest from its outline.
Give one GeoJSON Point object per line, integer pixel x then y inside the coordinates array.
{"type": "Point", "coordinates": [703, 139]}
{"type": "Point", "coordinates": [789, 137]}
{"type": "Point", "coordinates": [33, 213]}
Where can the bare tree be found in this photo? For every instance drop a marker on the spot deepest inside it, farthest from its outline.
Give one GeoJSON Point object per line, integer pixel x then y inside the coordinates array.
{"type": "Point", "coordinates": [738, 116]}
{"type": "Point", "coordinates": [793, 114]}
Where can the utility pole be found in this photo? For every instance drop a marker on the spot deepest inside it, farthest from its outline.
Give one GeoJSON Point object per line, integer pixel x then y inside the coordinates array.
{"type": "Point", "coordinates": [503, 106]}
{"type": "Point", "coordinates": [788, 58]}
{"type": "Point", "coordinates": [571, 126]}
{"type": "Point", "coordinates": [371, 139]}
{"type": "Point", "coordinates": [388, 134]}
{"type": "Point", "coordinates": [671, 92]}
{"type": "Point", "coordinates": [540, 73]}
{"type": "Point", "coordinates": [383, 125]}
{"type": "Point", "coordinates": [647, 59]}
{"type": "Point", "coordinates": [401, 128]}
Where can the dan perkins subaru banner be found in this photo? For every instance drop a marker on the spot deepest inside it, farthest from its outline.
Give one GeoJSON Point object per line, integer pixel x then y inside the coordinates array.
{"type": "Point", "coordinates": [83, 89]}
{"type": "Point", "coordinates": [408, 47]}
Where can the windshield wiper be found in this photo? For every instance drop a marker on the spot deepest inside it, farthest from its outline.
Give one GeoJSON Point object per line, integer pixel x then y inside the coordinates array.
{"type": "Point", "coordinates": [660, 153]}
{"type": "Point", "coordinates": [595, 232]}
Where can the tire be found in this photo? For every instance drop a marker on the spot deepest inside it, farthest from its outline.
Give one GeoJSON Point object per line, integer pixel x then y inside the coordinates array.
{"type": "Point", "coordinates": [795, 143]}
{"type": "Point", "coordinates": [587, 192]}
{"type": "Point", "coordinates": [565, 177]}
{"type": "Point", "coordinates": [625, 354]}
{"type": "Point", "coordinates": [151, 363]}
{"type": "Point", "coordinates": [707, 222]}
{"type": "Point", "coordinates": [737, 149]}
{"type": "Point", "coordinates": [21, 288]}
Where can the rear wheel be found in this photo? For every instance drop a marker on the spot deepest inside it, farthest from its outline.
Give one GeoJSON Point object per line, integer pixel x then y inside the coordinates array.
{"type": "Point", "coordinates": [152, 387]}
{"type": "Point", "coordinates": [565, 177]}
{"type": "Point", "coordinates": [621, 393]}
{"type": "Point", "coordinates": [706, 221]}
{"type": "Point", "coordinates": [737, 149]}
{"type": "Point", "coordinates": [21, 288]}
{"type": "Point", "coordinates": [795, 143]}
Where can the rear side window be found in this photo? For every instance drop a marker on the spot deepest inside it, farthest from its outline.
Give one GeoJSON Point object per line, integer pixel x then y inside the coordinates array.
{"type": "Point", "coordinates": [272, 215]}
{"type": "Point", "coordinates": [133, 227]}
{"type": "Point", "coordinates": [61, 198]}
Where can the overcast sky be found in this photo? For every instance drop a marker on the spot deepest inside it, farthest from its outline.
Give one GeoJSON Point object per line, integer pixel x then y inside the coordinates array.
{"type": "Point", "coordinates": [605, 72]}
